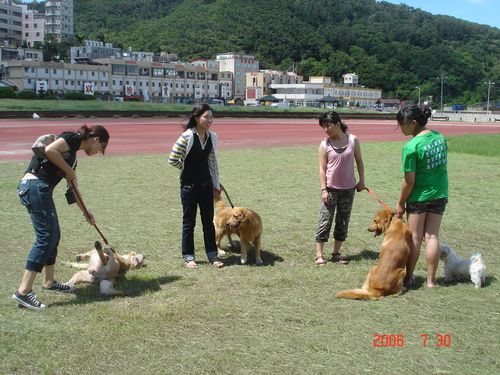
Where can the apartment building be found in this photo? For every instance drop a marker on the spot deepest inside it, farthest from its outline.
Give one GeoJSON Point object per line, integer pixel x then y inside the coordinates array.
{"type": "Point", "coordinates": [59, 19]}
{"type": "Point", "coordinates": [225, 77]}
{"type": "Point", "coordinates": [122, 78]}
{"type": "Point", "coordinates": [11, 17]}
{"type": "Point", "coordinates": [33, 25]}
{"type": "Point", "coordinates": [239, 65]}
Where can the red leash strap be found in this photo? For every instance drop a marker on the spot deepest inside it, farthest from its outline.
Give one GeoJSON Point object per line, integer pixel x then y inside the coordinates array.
{"type": "Point", "coordinates": [85, 211]}
{"type": "Point", "coordinates": [377, 199]}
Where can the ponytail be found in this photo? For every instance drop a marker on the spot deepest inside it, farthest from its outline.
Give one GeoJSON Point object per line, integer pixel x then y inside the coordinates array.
{"type": "Point", "coordinates": [414, 112]}
{"type": "Point", "coordinates": [332, 117]}
{"type": "Point", "coordinates": [98, 131]}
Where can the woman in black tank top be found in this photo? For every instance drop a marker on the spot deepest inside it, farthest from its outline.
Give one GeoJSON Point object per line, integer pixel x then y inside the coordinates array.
{"type": "Point", "coordinates": [35, 193]}
{"type": "Point", "coordinates": [194, 154]}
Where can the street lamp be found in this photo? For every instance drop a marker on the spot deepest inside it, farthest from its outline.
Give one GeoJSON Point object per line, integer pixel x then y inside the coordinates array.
{"type": "Point", "coordinates": [442, 80]}
{"type": "Point", "coordinates": [418, 87]}
{"type": "Point", "coordinates": [489, 83]}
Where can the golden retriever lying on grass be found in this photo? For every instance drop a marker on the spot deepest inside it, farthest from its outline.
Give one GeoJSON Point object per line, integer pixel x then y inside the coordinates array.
{"type": "Point", "coordinates": [103, 266]}
{"type": "Point", "coordinates": [387, 276]}
{"type": "Point", "coordinates": [241, 221]}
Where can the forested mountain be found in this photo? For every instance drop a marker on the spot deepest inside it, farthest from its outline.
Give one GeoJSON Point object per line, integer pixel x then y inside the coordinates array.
{"type": "Point", "coordinates": [392, 47]}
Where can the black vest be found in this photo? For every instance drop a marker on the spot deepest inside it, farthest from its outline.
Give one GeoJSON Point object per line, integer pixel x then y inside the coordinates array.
{"type": "Point", "coordinates": [196, 170]}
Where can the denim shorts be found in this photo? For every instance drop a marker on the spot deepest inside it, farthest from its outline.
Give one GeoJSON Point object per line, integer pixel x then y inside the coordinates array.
{"type": "Point", "coordinates": [36, 196]}
{"type": "Point", "coordinates": [435, 206]}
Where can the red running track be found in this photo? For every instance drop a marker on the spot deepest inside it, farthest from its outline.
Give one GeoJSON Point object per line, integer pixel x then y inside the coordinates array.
{"type": "Point", "coordinates": [155, 136]}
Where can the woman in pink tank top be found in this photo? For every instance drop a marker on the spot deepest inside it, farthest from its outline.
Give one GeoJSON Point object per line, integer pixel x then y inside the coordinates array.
{"type": "Point", "coordinates": [337, 154]}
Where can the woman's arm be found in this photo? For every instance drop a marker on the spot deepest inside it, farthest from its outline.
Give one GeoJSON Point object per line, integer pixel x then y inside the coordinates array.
{"type": "Point", "coordinates": [322, 172]}
{"type": "Point", "coordinates": [54, 152]}
{"type": "Point", "coordinates": [179, 151]}
{"type": "Point", "coordinates": [359, 165]}
{"type": "Point", "coordinates": [406, 189]}
{"type": "Point", "coordinates": [213, 166]}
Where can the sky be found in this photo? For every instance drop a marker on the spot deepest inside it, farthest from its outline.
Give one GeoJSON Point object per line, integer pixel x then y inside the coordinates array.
{"type": "Point", "coordinates": [485, 12]}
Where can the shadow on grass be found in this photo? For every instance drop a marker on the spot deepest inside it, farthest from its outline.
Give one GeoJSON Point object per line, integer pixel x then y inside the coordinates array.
{"type": "Point", "coordinates": [364, 255]}
{"type": "Point", "coordinates": [131, 287]}
{"type": "Point", "coordinates": [232, 256]}
{"type": "Point", "coordinates": [487, 282]}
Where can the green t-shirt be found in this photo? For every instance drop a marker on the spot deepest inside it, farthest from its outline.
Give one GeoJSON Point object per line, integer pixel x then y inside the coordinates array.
{"type": "Point", "coordinates": [427, 156]}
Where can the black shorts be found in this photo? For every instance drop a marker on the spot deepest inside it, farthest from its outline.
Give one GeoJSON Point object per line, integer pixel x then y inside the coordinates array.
{"type": "Point", "coordinates": [435, 206]}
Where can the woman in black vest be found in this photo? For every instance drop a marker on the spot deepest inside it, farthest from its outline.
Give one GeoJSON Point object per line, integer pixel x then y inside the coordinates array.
{"type": "Point", "coordinates": [194, 153]}
{"type": "Point", "coordinates": [35, 193]}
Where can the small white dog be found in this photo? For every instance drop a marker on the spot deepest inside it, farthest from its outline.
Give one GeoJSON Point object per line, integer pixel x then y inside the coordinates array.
{"type": "Point", "coordinates": [456, 268]}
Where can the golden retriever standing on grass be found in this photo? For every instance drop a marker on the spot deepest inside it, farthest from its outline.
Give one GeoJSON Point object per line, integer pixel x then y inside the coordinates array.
{"type": "Point", "coordinates": [387, 276]}
{"type": "Point", "coordinates": [104, 266]}
{"type": "Point", "coordinates": [222, 214]}
{"type": "Point", "coordinates": [241, 221]}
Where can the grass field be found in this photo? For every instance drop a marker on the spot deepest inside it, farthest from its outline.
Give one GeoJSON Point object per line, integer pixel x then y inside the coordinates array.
{"type": "Point", "coordinates": [281, 318]}
{"type": "Point", "coordinates": [71, 105]}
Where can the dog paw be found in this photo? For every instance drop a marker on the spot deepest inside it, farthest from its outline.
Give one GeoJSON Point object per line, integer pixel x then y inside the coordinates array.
{"type": "Point", "coordinates": [243, 261]}
{"type": "Point", "coordinates": [259, 262]}
{"type": "Point", "coordinates": [220, 252]}
{"type": "Point", "coordinates": [78, 258]}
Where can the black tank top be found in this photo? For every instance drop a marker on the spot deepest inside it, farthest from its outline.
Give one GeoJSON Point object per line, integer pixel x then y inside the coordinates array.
{"type": "Point", "coordinates": [196, 170]}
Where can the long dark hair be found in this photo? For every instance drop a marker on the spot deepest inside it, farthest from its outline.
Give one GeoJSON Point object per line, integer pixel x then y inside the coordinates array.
{"type": "Point", "coordinates": [98, 131]}
{"type": "Point", "coordinates": [414, 112]}
{"type": "Point", "coordinates": [332, 117]}
{"type": "Point", "coordinates": [197, 111]}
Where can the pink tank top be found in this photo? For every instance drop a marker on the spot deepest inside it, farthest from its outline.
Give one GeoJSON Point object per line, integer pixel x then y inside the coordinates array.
{"type": "Point", "coordinates": [340, 165]}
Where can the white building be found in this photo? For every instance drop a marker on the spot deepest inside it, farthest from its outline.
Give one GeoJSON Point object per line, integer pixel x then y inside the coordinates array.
{"type": "Point", "coordinates": [239, 65]}
{"type": "Point", "coordinates": [59, 19]}
{"type": "Point", "coordinates": [313, 93]}
{"type": "Point", "coordinates": [350, 79]}
{"type": "Point", "coordinates": [10, 24]}
{"type": "Point", "coordinates": [33, 26]}
{"type": "Point", "coordinates": [115, 77]}
{"type": "Point", "coordinates": [93, 50]}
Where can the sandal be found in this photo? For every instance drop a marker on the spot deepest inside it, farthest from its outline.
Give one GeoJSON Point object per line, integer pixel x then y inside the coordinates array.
{"type": "Point", "coordinates": [319, 261]}
{"type": "Point", "coordinates": [191, 264]}
{"type": "Point", "coordinates": [339, 258]}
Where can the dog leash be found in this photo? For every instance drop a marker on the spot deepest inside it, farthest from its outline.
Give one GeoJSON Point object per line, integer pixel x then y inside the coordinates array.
{"type": "Point", "coordinates": [227, 195]}
{"type": "Point", "coordinates": [85, 211]}
{"type": "Point", "coordinates": [377, 199]}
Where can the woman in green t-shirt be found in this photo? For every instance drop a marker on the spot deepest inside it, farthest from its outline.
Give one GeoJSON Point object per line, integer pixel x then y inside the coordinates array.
{"type": "Point", "coordinates": [424, 190]}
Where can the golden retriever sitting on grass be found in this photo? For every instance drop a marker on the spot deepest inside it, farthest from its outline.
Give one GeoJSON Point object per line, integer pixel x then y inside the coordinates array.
{"type": "Point", "coordinates": [386, 278]}
{"type": "Point", "coordinates": [241, 221]}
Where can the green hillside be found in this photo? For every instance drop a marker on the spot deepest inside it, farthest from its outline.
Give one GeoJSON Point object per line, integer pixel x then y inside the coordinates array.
{"type": "Point", "coordinates": [392, 47]}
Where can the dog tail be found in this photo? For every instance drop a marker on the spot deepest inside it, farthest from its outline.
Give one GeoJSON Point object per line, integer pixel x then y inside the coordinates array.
{"type": "Point", "coordinates": [356, 294]}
